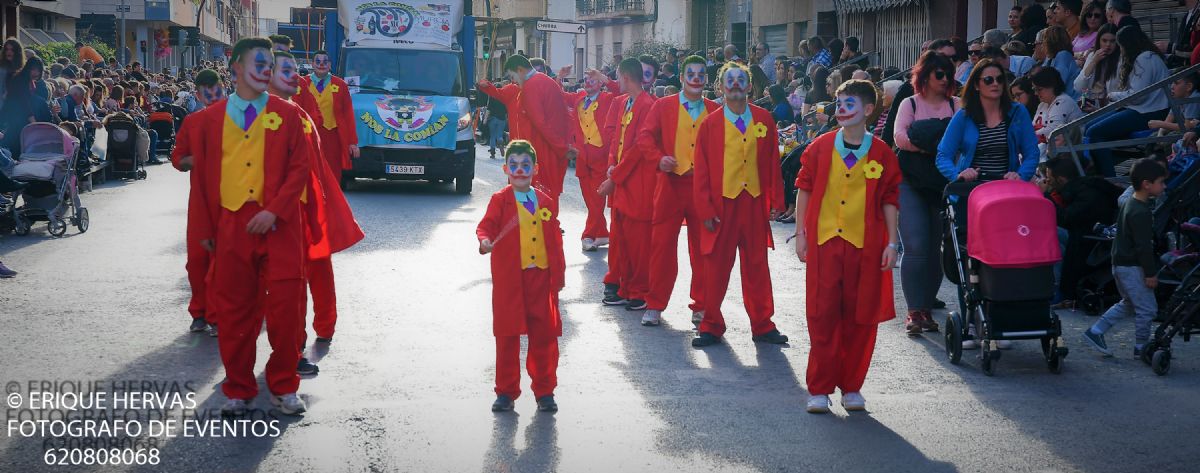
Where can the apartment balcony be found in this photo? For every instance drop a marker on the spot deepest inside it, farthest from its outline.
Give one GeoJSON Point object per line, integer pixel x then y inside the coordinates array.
{"type": "Point", "coordinates": [591, 10]}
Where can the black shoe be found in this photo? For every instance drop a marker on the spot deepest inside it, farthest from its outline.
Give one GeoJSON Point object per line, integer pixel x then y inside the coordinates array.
{"type": "Point", "coordinates": [611, 289]}
{"type": "Point", "coordinates": [771, 337]}
{"type": "Point", "coordinates": [198, 325]}
{"type": "Point", "coordinates": [324, 339]}
{"type": "Point", "coordinates": [212, 330]}
{"type": "Point", "coordinates": [636, 304]}
{"type": "Point", "coordinates": [939, 304]}
{"type": "Point", "coordinates": [614, 299]}
{"type": "Point", "coordinates": [705, 339]}
{"type": "Point", "coordinates": [547, 404]}
{"type": "Point", "coordinates": [305, 367]}
{"type": "Point", "coordinates": [503, 403]}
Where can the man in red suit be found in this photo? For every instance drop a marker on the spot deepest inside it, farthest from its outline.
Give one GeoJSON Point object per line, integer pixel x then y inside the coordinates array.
{"type": "Point", "coordinates": [846, 212]}
{"type": "Point", "coordinates": [540, 117]}
{"type": "Point", "coordinates": [738, 191]}
{"type": "Point", "coordinates": [631, 181]}
{"type": "Point", "coordinates": [208, 91]}
{"type": "Point", "coordinates": [670, 133]}
{"type": "Point", "coordinates": [252, 169]}
{"type": "Point", "coordinates": [508, 94]}
{"type": "Point", "coordinates": [589, 108]}
{"type": "Point", "coordinates": [339, 140]}
{"type": "Point", "coordinates": [520, 230]}
{"type": "Point", "coordinates": [329, 218]}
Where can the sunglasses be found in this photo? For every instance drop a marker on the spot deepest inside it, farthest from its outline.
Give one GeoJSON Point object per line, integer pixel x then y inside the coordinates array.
{"type": "Point", "coordinates": [939, 75]}
{"type": "Point", "coordinates": [989, 80]}
{"type": "Point", "coordinates": [974, 52]}
{"type": "Point", "coordinates": [1096, 15]}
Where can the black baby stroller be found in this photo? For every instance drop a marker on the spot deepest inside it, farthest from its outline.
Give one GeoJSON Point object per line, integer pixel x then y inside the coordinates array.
{"type": "Point", "coordinates": [47, 166]}
{"type": "Point", "coordinates": [122, 148]}
{"type": "Point", "coordinates": [1005, 272]}
{"type": "Point", "coordinates": [1178, 299]}
{"type": "Point", "coordinates": [165, 120]}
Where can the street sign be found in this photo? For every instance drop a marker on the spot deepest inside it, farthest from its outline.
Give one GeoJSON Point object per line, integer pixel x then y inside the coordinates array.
{"type": "Point", "coordinates": [123, 8]}
{"type": "Point", "coordinates": [561, 27]}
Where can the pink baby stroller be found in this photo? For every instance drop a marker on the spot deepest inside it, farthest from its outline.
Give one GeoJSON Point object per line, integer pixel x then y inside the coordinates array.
{"type": "Point", "coordinates": [48, 158]}
{"type": "Point", "coordinates": [1005, 272]}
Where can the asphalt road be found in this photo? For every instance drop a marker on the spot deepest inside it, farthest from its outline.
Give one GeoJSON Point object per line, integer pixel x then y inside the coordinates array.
{"type": "Point", "coordinates": [406, 384]}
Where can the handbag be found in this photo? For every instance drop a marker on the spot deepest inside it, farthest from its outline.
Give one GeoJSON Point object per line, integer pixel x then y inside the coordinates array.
{"type": "Point", "coordinates": [919, 169]}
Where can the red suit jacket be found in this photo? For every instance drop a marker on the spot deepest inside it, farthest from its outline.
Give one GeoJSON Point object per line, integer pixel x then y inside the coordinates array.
{"type": "Point", "coordinates": [634, 174]}
{"type": "Point", "coordinates": [330, 222]}
{"type": "Point", "coordinates": [710, 172]}
{"type": "Point", "coordinates": [592, 161]}
{"type": "Point", "coordinates": [499, 225]}
{"type": "Point", "coordinates": [876, 302]}
{"type": "Point", "coordinates": [657, 136]}
{"type": "Point", "coordinates": [287, 172]}
{"type": "Point", "coordinates": [342, 106]}
{"type": "Point", "coordinates": [507, 95]}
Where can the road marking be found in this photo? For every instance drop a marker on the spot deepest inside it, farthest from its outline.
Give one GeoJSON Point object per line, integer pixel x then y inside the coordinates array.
{"type": "Point", "coordinates": [481, 181]}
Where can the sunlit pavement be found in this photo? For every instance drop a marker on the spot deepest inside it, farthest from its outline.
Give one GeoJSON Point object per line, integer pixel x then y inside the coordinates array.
{"type": "Point", "coordinates": [406, 384]}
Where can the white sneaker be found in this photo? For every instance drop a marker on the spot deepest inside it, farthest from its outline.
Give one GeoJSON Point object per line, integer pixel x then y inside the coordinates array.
{"type": "Point", "coordinates": [589, 244]}
{"type": "Point", "coordinates": [652, 318]}
{"type": "Point", "coordinates": [289, 404]}
{"type": "Point", "coordinates": [601, 241]}
{"type": "Point", "coordinates": [818, 404]}
{"type": "Point", "coordinates": [1004, 344]}
{"type": "Point", "coordinates": [697, 317]}
{"type": "Point", "coordinates": [234, 407]}
{"type": "Point", "coordinates": [854, 402]}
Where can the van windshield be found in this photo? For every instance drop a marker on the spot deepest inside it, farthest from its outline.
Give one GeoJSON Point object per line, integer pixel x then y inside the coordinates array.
{"type": "Point", "coordinates": [406, 71]}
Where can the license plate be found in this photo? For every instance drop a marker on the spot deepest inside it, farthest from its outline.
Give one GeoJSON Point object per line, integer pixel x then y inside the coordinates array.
{"type": "Point", "coordinates": [401, 169]}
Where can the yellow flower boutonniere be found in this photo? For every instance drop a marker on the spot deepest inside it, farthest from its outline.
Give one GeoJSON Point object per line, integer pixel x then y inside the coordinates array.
{"type": "Point", "coordinates": [760, 130]}
{"type": "Point", "coordinates": [873, 170]}
{"type": "Point", "coordinates": [544, 214]}
{"type": "Point", "coordinates": [271, 121]}
{"type": "Point", "coordinates": [308, 127]}
{"type": "Point", "coordinates": [334, 88]}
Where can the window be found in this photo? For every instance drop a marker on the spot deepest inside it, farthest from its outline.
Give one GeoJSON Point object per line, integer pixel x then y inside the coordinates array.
{"type": "Point", "coordinates": [617, 50]}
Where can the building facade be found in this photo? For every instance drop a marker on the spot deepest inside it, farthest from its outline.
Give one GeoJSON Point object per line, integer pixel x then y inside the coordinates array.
{"type": "Point", "coordinates": [170, 33]}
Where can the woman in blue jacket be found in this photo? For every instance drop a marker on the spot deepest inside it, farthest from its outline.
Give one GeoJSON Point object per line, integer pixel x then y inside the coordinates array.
{"type": "Point", "coordinates": [991, 134]}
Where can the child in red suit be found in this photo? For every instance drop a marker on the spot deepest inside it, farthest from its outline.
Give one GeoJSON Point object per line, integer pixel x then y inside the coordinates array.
{"type": "Point", "coordinates": [846, 213]}
{"type": "Point", "coordinates": [520, 230]}
{"type": "Point", "coordinates": [589, 108]}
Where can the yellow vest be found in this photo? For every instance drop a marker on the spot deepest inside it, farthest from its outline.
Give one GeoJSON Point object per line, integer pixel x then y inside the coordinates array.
{"type": "Point", "coordinates": [533, 242]}
{"type": "Point", "coordinates": [242, 163]}
{"type": "Point", "coordinates": [625, 119]}
{"type": "Point", "coordinates": [741, 162]}
{"type": "Point", "coordinates": [844, 206]}
{"type": "Point", "coordinates": [685, 139]}
{"type": "Point", "coordinates": [587, 122]}
{"type": "Point", "coordinates": [324, 102]}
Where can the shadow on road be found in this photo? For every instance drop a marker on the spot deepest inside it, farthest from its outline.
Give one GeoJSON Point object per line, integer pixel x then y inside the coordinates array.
{"type": "Point", "coordinates": [541, 452]}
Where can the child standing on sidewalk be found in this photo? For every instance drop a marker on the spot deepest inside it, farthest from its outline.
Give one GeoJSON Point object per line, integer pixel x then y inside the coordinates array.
{"type": "Point", "coordinates": [1133, 261]}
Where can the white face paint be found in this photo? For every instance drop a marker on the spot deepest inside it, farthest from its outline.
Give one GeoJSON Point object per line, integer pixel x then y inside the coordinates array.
{"type": "Point", "coordinates": [208, 95]}
{"type": "Point", "coordinates": [850, 110]}
{"type": "Point", "coordinates": [694, 77]}
{"type": "Point", "coordinates": [734, 83]}
{"type": "Point", "coordinates": [591, 86]}
{"type": "Point", "coordinates": [322, 64]}
{"type": "Point", "coordinates": [647, 75]}
{"type": "Point", "coordinates": [284, 78]}
{"type": "Point", "coordinates": [520, 169]}
{"type": "Point", "coordinates": [256, 69]}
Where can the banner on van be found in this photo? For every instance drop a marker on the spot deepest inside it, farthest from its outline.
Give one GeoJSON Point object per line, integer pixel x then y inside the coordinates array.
{"type": "Point", "coordinates": [406, 119]}
{"type": "Point", "coordinates": [403, 22]}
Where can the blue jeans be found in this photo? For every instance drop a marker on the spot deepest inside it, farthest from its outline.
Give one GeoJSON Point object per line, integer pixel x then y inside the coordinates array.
{"type": "Point", "coordinates": [921, 231]}
{"type": "Point", "coordinates": [1136, 300]}
{"type": "Point", "coordinates": [495, 132]}
{"type": "Point", "coordinates": [1116, 126]}
{"type": "Point", "coordinates": [153, 144]}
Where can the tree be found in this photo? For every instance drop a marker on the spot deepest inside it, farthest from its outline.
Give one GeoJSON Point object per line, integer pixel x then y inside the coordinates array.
{"type": "Point", "coordinates": [655, 48]}
{"type": "Point", "coordinates": [51, 51]}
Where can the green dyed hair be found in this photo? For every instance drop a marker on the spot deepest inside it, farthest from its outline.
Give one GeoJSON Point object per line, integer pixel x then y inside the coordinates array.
{"type": "Point", "coordinates": [281, 39]}
{"type": "Point", "coordinates": [207, 78]}
{"type": "Point", "coordinates": [246, 44]}
{"type": "Point", "coordinates": [517, 61]}
{"type": "Point", "coordinates": [519, 147]}
{"type": "Point", "coordinates": [693, 59]}
{"type": "Point", "coordinates": [630, 67]}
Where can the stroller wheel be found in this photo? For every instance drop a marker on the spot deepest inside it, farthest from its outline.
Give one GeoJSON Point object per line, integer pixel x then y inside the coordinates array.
{"type": "Point", "coordinates": [1054, 354]}
{"type": "Point", "coordinates": [1092, 303]}
{"type": "Point", "coordinates": [82, 221]}
{"type": "Point", "coordinates": [57, 226]}
{"type": "Point", "coordinates": [1160, 362]}
{"type": "Point", "coordinates": [141, 174]}
{"type": "Point", "coordinates": [987, 361]}
{"type": "Point", "coordinates": [954, 338]}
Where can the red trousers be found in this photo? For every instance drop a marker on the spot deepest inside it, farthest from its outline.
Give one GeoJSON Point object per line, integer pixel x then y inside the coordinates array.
{"type": "Point", "coordinates": [198, 262]}
{"type": "Point", "coordinates": [615, 247]}
{"type": "Point", "coordinates": [333, 150]}
{"type": "Point", "coordinates": [596, 226]}
{"type": "Point", "coordinates": [324, 296]}
{"type": "Point", "coordinates": [236, 285]}
{"type": "Point", "coordinates": [542, 359]}
{"type": "Point", "coordinates": [742, 233]}
{"type": "Point", "coordinates": [672, 205]}
{"type": "Point", "coordinates": [841, 349]}
{"type": "Point", "coordinates": [634, 254]}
